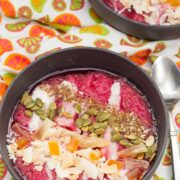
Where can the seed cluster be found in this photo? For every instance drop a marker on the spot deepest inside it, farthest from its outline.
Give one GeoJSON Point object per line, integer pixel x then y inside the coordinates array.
{"type": "Point", "coordinates": [94, 118]}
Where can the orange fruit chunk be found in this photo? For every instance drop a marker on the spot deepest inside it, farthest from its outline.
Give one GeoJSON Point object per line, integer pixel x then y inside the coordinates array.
{"type": "Point", "coordinates": [17, 61]}
{"type": "Point", "coordinates": [72, 146]}
{"type": "Point", "coordinates": [54, 148]}
{"type": "Point", "coordinates": [119, 164]}
{"type": "Point", "coordinates": [22, 142]}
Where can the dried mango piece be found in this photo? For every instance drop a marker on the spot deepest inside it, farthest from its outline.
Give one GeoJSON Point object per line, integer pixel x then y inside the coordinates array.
{"type": "Point", "coordinates": [54, 148]}
{"type": "Point", "coordinates": [94, 156]}
{"type": "Point", "coordinates": [119, 164]}
{"type": "Point", "coordinates": [22, 142]}
{"type": "Point", "coordinates": [72, 146]}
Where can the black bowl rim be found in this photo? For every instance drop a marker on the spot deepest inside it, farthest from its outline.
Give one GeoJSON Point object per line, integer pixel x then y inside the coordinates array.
{"type": "Point", "coordinates": [107, 8]}
{"type": "Point", "coordinates": [167, 128]}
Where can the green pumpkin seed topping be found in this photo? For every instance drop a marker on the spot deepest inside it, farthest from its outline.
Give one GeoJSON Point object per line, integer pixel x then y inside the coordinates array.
{"type": "Point", "coordinates": [79, 122]}
{"type": "Point", "coordinates": [25, 95]}
{"type": "Point", "coordinates": [92, 111]}
{"type": "Point", "coordinates": [85, 122]}
{"type": "Point", "coordinates": [51, 114]}
{"type": "Point", "coordinates": [96, 125]}
{"type": "Point", "coordinates": [40, 112]}
{"type": "Point", "coordinates": [102, 116]}
{"type": "Point", "coordinates": [39, 102]}
{"type": "Point", "coordinates": [30, 104]}
{"type": "Point", "coordinates": [77, 108]}
{"type": "Point", "coordinates": [150, 151]}
{"type": "Point", "coordinates": [27, 100]}
{"type": "Point", "coordinates": [136, 141]}
{"type": "Point", "coordinates": [34, 108]}
{"type": "Point", "coordinates": [28, 113]}
{"type": "Point", "coordinates": [91, 129]}
{"type": "Point", "coordinates": [125, 142]}
{"type": "Point", "coordinates": [131, 137]}
{"type": "Point", "coordinates": [52, 106]}
{"type": "Point", "coordinates": [85, 116]}
{"type": "Point", "coordinates": [116, 137]}
{"type": "Point", "coordinates": [99, 131]}
{"type": "Point", "coordinates": [84, 128]}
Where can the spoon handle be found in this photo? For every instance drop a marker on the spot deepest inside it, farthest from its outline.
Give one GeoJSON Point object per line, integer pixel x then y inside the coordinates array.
{"type": "Point", "coordinates": [175, 157]}
{"type": "Point", "coordinates": [175, 149]}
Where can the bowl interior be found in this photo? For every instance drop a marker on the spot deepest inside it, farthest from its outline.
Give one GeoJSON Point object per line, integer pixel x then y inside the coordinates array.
{"type": "Point", "coordinates": [76, 59]}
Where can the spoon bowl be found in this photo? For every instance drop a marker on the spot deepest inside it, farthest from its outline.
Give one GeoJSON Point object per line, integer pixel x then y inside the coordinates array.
{"type": "Point", "coordinates": [167, 77]}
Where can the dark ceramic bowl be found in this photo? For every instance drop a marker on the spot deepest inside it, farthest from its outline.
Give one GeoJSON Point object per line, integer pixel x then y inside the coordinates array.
{"type": "Point", "coordinates": [137, 29]}
{"type": "Point", "coordinates": [83, 59]}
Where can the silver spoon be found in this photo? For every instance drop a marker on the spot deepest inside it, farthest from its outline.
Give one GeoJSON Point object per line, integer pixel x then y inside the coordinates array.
{"type": "Point", "coordinates": [167, 77]}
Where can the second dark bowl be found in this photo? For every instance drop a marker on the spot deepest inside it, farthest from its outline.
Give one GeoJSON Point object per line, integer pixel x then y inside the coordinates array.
{"type": "Point", "coordinates": [137, 29]}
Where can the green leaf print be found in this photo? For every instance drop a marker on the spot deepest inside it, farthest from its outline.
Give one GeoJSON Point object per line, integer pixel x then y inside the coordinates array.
{"type": "Point", "coordinates": [94, 16]}
{"type": "Point", "coordinates": [38, 5]}
{"type": "Point", "coordinates": [95, 29]}
{"type": "Point", "coordinates": [76, 4]}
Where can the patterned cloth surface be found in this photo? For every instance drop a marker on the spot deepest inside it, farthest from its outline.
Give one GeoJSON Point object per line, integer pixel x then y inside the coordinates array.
{"type": "Point", "coordinates": [27, 26]}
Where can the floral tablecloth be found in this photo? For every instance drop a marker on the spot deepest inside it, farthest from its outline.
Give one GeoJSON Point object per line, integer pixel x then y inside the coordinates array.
{"type": "Point", "coordinates": [30, 29]}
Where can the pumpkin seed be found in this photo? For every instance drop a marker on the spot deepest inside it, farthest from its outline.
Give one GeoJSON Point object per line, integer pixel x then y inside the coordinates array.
{"type": "Point", "coordinates": [117, 128]}
{"type": "Point", "coordinates": [112, 118]}
{"type": "Point", "coordinates": [116, 138]}
{"type": "Point", "coordinates": [78, 108]}
{"type": "Point", "coordinates": [150, 151]}
{"type": "Point", "coordinates": [61, 110]}
{"type": "Point", "coordinates": [103, 125]}
{"type": "Point", "coordinates": [131, 136]}
{"type": "Point", "coordinates": [30, 104]}
{"type": "Point", "coordinates": [79, 122]}
{"type": "Point", "coordinates": [103, 116]}
{"type": "Point", "coordinates": [93, 135]}
{"type": "Point", "coordinates": [43, 116]}
{"type": "Point", "coordinates": [27, 100]}
{"type": "Point", "coordinates": [136, 141]}
{"type": "Point", "coordinates": [86, 122]}
{"type": "Point", "coordinates": [52, 106]}
{"type": "Point", "coordinates": [96, 125]}
{"type": "Point", "coordinates": [40, 112]}
{"type": "Point", "coordinates": [114, 132]}
{"type": "Point", "coordinates": [91, 129]}
{"type": "Point", "coordinates": [52, 114]}
{"type": "Point", "coordinates": [84, 128]}
{"type": "Point", "coordinates": [26, 94]}
{"type": "Point", "coordinates": [67, 115]}
{"type": "Point", "coordinates": [149, 141]}
{"type": "Point", "coordinates": [99, 131]}
{"type": "Point", "coordinates": [125, 142]}
{"type": "Point", "coordinates": [85, 116]}
{"type": "Point", "coordinates": [39, 102]}
{"type": "Point", "coordinates": [34, 108]}
{"type": "Point", "coordinates": [28, 113]}
{"type": "Point", "coordinates": [92, 111]}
